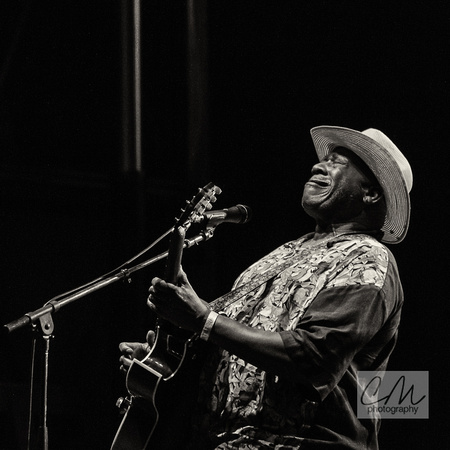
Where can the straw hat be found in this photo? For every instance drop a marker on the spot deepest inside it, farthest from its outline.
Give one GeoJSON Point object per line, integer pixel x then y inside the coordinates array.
{"type": "Point", "coordinates": [387, 163]}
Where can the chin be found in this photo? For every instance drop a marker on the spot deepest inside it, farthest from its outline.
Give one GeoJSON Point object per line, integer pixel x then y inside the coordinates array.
{"type": "Point", "coordinates": [319, 210]}
{"type": "Point", "coordinates": [310, 209]}
{"type": "Point", "coordinates": [311, 204]}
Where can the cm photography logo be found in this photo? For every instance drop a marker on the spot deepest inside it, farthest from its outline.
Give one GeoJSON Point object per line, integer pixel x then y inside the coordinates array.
{"type": "Point", "coordinates": [392, 395]}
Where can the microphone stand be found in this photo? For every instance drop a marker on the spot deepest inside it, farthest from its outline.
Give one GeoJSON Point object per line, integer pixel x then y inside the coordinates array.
{"type": "Point", "coordinates": [42, 319]}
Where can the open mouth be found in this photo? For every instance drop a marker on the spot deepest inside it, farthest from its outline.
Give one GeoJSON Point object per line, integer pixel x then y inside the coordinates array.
{"type": "Point", "coordinates": [319, 182]}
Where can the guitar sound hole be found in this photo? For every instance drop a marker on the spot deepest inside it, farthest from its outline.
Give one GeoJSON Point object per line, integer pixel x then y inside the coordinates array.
{"type": "Point", "coordinates": [175, 347]}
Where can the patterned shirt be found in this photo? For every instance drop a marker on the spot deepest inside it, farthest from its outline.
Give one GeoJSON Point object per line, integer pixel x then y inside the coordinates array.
{"type": "Point", "coordinates": [337, 309]}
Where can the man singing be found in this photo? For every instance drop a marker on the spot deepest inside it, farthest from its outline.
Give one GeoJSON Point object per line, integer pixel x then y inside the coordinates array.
{"type": "Point", "coordinates": [326, 305]}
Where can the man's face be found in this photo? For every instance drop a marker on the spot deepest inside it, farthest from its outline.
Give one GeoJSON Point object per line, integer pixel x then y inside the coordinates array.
{"type": "Point", "coordinates": [334, 193]}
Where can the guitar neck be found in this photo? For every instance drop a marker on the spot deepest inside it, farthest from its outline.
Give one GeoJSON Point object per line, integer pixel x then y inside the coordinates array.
{"type": "Point", "coordinates": [192, 213]}
{"type": "Point", "coordinates": [175, 254]}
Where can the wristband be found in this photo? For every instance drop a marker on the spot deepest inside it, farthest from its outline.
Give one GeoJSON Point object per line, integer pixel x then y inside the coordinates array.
{"type": "Point", "coordinates": [207, 327]}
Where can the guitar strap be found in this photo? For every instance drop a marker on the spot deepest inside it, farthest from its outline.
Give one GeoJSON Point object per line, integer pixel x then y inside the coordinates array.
{"type": "Point", "coordinates": [226, 300]}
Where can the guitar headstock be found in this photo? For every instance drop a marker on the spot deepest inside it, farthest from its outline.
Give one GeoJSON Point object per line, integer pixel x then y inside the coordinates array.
{"type": "Point", "coordinates": [196, 207]}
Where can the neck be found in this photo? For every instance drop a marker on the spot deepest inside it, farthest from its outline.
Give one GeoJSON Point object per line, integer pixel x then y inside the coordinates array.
{"type": "Point", "coordinates": [334, 229]}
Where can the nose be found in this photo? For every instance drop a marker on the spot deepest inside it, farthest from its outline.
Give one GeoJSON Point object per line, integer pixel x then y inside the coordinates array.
{"type": "Point", "coordinates": [320, 168]}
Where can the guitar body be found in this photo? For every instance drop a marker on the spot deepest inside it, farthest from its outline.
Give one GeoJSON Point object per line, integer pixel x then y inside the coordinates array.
{"type": "Point", "coordinates": [159, 407]}
{"type": "Point", "coordinates": [159, 410]}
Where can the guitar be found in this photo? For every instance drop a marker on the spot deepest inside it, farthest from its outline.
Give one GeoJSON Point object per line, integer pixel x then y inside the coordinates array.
{"type": "Point", "coordinates": [146, 425]}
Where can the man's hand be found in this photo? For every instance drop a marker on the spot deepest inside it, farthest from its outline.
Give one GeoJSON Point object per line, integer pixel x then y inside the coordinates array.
{"type": "Point", "coordinates": [135, 350]}
{"type": "Point", "coordinates": [178, 304]}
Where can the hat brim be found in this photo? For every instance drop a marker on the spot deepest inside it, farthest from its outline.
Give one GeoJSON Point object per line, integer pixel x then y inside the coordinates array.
{"type": "Point", "coordinates": [383, 166]}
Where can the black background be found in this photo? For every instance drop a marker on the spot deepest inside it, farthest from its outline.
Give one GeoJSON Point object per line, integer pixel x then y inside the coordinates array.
{"type": "Point", "coordinates": [70, 213]}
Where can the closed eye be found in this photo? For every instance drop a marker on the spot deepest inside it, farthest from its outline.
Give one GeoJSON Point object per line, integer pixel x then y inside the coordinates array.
{"type": "Point", "coordinates": [336, 159]}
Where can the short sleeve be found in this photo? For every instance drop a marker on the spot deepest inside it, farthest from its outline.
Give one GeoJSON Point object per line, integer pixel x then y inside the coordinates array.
{"type": "Point", "coordinates": [337, 325]}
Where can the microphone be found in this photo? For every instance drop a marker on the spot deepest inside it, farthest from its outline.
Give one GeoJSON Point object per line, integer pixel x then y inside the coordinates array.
{"type": "Point", "coordinates": [235, 214]}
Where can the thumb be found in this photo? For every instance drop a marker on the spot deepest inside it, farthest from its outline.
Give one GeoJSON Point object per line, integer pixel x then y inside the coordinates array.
{"type": "Point", "coordinates": [182, 278]}
{"type": "Point", "coordinates": [150, 338]}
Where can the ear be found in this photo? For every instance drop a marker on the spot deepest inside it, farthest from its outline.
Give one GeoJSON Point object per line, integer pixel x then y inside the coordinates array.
{"type": "Point", "coordinates": [372, 194]}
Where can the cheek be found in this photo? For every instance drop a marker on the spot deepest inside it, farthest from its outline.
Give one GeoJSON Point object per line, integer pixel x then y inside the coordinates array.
{"type": "Point", "coordinates": [348, 186]}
